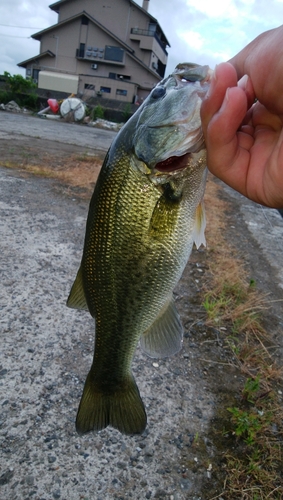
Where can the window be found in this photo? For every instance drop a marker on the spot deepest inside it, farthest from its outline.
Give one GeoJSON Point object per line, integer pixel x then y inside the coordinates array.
{"type": "Point", "coordinates": [84, 20]}
{"type": "Point", "coordinates": [82, 50]}
{"type": "Point", "coordinates": [112, 75]}
{"type": "Point", "coordinates": [35, 73]}
{"type": "Point", "coordinates": [89, 86]}
{"type": "Point", "coordinates": [121, 92]}
{"type": "Point", "coordinates": [28, 71]}
{"type": "Point", "coordinates": [114, 53]}
{"type": "Point", "coordinates": [106, 90]}
{"type": "Point", "coordinates": [152, 28]}
{"type": "Point", "coordinates": [124, 77]}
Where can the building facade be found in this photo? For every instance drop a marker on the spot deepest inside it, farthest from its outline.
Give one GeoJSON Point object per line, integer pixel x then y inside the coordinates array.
{"type": "Point", "coordinates": [100, 47]}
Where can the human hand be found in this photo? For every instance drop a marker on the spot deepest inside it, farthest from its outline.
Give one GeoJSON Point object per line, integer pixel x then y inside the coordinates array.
{"type": "Point", "coordinates": [262, 61]}
{"type": "Point", "coordinates": [245, 141]}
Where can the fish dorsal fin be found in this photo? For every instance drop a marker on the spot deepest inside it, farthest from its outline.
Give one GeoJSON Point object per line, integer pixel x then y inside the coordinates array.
{"type": "Point", "coordinates": [76, 299]}
{"type": "Point", "coordinates": [199, 228]}
{"type": "Point", "coordinates": [164, 337]}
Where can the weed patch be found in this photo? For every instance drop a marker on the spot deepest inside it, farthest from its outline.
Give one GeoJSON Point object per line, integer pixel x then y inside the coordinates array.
{"type": "Point", "coordinates": [254, 470]}
{"type": "Point", "coordinates": [77, 171]}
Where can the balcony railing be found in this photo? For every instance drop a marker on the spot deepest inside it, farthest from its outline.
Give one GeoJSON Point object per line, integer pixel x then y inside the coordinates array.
{"type": "Point", "coordinates": [137, 31]}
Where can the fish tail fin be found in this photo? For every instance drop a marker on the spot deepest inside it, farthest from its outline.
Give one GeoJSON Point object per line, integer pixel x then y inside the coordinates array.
{"type": "Point", "coordinates": [121, 408]}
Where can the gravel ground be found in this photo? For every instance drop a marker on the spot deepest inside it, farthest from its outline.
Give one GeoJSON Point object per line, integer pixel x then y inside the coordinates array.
{"type": "Point", "coordinates": [47, 351]}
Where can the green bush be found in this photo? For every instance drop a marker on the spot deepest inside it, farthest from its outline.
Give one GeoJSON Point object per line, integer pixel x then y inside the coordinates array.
{"type": "Point", "coordinates": [29, 101]}
{"type": "Point", "coordinates": [98, 112]}
{"type": "Point", "coordinates": [6, 96]}
{"type": "Point", "coordinates": [18, 84]}
{"type": "Point", "coordinates": [127, 112]}
{"type": "Point", "coordinates": [20, 90]}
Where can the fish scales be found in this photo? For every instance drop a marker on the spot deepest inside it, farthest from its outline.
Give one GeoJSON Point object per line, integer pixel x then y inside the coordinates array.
{"type": "Point", "coordinates": [141, 226]}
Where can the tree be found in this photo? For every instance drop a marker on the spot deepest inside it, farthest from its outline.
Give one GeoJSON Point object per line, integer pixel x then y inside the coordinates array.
{"type": "Point", "coordinates": [18, 84]}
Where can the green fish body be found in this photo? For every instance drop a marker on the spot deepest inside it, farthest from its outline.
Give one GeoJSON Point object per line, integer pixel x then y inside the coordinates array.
{"type": "Point", "coordinates": [144, 216]}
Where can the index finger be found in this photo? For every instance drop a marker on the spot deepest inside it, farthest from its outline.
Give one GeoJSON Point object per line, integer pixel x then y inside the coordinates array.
{"type": "Point", "coordinates": [224, 76]}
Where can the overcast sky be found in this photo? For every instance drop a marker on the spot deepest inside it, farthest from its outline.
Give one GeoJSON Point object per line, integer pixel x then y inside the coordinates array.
{"type": "Point", "coordinates": [200, 31]}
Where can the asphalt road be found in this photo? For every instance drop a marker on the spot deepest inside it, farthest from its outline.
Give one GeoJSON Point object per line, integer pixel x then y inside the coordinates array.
{"type": "Point", "coordinates": [266, 227]}
{"type": "Point", "coordinates": [14, 125]}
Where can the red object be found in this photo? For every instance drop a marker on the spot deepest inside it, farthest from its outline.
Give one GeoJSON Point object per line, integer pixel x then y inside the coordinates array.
{"type": "Point", "coordinates": [53, 104]}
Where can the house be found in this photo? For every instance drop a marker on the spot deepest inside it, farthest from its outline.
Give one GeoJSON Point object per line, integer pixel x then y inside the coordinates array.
{"type": "Point", "coordinates": [100, 47]}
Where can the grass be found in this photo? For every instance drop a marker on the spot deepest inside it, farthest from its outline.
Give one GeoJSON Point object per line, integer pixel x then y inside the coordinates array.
{"type": "Point", "coordinates": [79, 171]}
{"type": "Point", "coordinates": [254, 469]}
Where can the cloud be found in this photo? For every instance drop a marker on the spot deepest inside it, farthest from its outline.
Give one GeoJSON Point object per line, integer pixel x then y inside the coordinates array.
{"type": "Point", "coordinates": [28, 17]}
{"type": "Point", "coordinates": [208, 32]}
{"type": "Point", "coordinates": [201, 31]}
{"type": "Point", "coordinates": [192, 38]}
{"type": "Point", "coordinates": [223, 9]}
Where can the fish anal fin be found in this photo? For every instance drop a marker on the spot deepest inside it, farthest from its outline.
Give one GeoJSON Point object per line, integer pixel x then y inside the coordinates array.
{"type": "Point", "coordinates": [199, 228]}
{"type": "Point", "coordinates": [122, 408]}
{"type": "Point", "coordinates": [165, 335]}
{"type": "Point", "coordinates": [76, 299]}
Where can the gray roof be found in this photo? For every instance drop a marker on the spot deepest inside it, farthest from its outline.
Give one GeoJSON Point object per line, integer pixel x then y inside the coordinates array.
{"type": "Point", "coordinates": [23, 64]}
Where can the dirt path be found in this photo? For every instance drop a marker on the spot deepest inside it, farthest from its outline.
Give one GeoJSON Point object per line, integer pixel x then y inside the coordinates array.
{"type": "Point", "coordinates": [47, 350]}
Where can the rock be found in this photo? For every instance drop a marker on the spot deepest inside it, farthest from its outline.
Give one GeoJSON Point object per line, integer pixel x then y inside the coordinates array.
{"type": "Point", "coordinates": [13, 106]}
{"type": "Point", "coordinates": [6, 477]}
{"type": "Point", "coordinates": [186, 484]}
{"type": "Point", "coordinates": [105, 124]}
{"type": "Point", "coordinates": [30, 480]}
{"type": "Point", "coordinates": [3, 372]}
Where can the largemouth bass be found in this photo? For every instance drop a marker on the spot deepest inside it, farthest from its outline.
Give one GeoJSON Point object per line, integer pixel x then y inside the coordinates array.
{"type": "Point", "coordinates": [144, 216]}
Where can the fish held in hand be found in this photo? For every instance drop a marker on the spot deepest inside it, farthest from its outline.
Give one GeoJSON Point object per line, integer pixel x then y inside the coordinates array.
{"type": "Point", "coordinates": [144, 216]}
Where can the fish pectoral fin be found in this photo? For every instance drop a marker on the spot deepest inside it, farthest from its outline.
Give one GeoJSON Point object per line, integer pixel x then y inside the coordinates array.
{"type": "Point", "coordinates": [122, 408]}
{"type": "Point", "coordinates": [76, 299]}
{"type": "Point", "coordinates": [199, 228]}
{"type": "Point", "coordinates": [164, 337]}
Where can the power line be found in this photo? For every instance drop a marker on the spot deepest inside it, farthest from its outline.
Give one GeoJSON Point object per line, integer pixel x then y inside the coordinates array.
{"type": "Point", "coordinates": [24, 27]}
{"type": "Point", "coordinates": [15, 36]}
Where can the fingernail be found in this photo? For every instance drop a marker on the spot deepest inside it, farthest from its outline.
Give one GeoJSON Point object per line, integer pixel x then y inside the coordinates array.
{"type": "Point", "coordinates": [214, 76]}
{"type": "Point", "coordinates": [242, 83]}
{"type": "Point", "coordinates": [226, 98]}
{"type": "Point", "coordinates": [212, 82]}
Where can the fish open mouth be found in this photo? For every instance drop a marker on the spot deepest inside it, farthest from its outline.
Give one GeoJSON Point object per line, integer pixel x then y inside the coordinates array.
{"type": "Point", "coordinates": [173, 163]}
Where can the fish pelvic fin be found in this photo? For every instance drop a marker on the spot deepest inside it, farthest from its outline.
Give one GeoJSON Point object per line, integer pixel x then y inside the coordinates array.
{"type": "Point", "coordinates": [199, 228]}
{"type": "Point", "coordinates": [164, 337]}
{"type": "Point", "coordinates": [122, 408]}
{"type": "Point", "coordinates": [76, 299]}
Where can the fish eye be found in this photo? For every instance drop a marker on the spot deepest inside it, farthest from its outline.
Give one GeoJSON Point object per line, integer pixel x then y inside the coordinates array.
{"type": "Point", "coordinates": [158, 92]}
